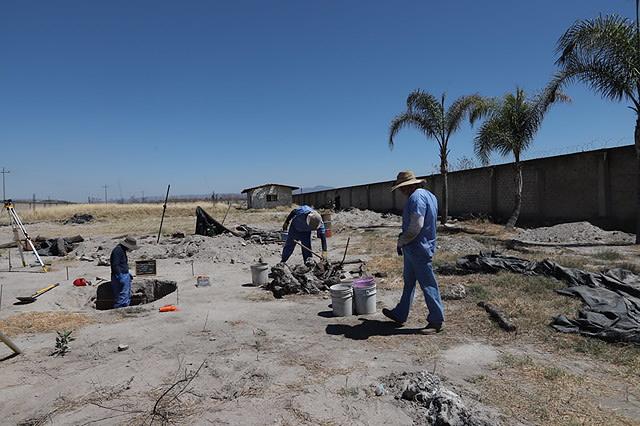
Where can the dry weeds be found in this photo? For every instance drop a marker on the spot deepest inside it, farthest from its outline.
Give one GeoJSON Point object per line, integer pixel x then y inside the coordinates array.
{"type": "Point", "coordinates": [545, 394]}
{"type": "Point", "coordinates": [44, 322]}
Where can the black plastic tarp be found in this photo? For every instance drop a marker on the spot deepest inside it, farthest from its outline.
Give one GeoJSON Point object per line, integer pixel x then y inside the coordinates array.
{"type": "Point", "coordinates": [206, 225]}
{"type": "Point", "coordinates": [611, 309]}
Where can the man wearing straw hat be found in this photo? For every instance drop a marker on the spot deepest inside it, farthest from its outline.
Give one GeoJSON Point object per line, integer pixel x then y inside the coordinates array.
{"type": "Point", "coordinates": [303, 221]}
{"type": "Point", "coordinates": [120, 276]}
{"type": "Point", "coordinates": [417, 243]}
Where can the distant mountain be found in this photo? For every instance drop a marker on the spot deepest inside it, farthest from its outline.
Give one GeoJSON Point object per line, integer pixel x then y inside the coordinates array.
{"type": "Point", "coordinates": [312, 189]}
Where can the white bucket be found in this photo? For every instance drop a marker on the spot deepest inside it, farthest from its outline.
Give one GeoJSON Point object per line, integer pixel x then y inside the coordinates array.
{"type": "Point", "coordinates": [260, 274]}
{"type": "Point", "coordinates": [341, 300]}
{"type": "Point", "coordinates": [365, 299]}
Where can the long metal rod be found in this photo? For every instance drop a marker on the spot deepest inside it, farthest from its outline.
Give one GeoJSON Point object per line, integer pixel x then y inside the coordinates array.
{"type": "Point", "coordinates": [345, 251]}
{"type": "Point", "coordinates": [164, 209]}
{"type": "Point", "coordinates": [307, 248]}
{"type": "Point", "coordinates": [225, 215]}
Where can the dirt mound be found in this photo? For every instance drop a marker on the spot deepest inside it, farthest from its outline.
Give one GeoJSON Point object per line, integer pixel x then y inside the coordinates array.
{"type": "Point", "coordinates": [574, 232]}
{"type": "Point", "coordinates": [355, 218]}
{"type": "Point", "coordinates": [459, 244]}
{"type": "Point", "coordinates": [219, 249]}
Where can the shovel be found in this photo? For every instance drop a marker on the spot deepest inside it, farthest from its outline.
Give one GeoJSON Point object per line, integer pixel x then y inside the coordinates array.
{"type": "Point", "coordinates": [34, 296]}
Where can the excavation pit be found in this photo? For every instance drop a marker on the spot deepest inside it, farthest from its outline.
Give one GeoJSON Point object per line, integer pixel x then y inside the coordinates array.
{"type": "Point", "coordinates": [142, 292]}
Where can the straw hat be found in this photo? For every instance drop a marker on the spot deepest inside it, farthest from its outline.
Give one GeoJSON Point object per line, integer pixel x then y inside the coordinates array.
{"type": "Point", "coordinates": [405, 178]}
{"type": "Point", "coordinates": [130, 243]}
{"type": "Point", "coordinates": [314, 220]}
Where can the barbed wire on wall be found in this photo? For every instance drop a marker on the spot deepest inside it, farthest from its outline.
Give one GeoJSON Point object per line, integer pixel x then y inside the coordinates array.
{"type": "Point", "coordinates": [598, 143]}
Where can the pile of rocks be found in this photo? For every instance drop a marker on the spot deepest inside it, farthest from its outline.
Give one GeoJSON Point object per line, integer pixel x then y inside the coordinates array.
{"type": "Point", "coordinates": [435, 403]}
{"type": "Point", "coordinates": [310, 278]}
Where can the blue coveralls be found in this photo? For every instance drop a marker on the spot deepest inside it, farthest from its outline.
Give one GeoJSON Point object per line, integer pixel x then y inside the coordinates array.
{"type": "Point", "coordinates": [120, 277]}
{"type": "Point", "coordinates": [418, 257]}
{"type": "Point", "coordinates": [300, 231]}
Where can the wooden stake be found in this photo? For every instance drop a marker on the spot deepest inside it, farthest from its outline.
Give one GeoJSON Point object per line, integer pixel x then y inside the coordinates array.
{"type": "Point", "coordinates": [4, 339]}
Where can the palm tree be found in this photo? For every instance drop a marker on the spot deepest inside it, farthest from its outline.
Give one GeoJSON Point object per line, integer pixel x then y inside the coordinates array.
{"type": "Point", "coordinates": [604, 54]}
{"type": "Point", "coordinates": [429, 116]}
{"type": "Point", "coordinates": [509, 127]}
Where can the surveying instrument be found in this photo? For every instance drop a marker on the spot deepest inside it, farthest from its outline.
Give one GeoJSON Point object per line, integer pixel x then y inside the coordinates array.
{"type": "Point", "coordinates": [18, 226]}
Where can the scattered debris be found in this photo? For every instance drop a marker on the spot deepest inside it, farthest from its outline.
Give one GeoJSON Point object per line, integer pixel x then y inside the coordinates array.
{"type": "Point", "coordinates": [437, 405]}
{"type": "Point", "coordinates": [610, 298]}
{"type": "Point", "coordinates": [104, 261]}
{"type": "Point", "coordinates": [310, 278]}
{"type": "Point", "coordinates": [380, 274]}
{"type": "Point", "coordinates": [178, 234]}
{"type": "Point", "coordinates": [454, 292]}
{"type": "Point", "coordinates": [79, 218]}
{"type": "Point", "coordinates": [499, 316]}
{"type": "Point", "coordinates": [219, 249]}
{"type": "Point", "coordinates": [122, 347]}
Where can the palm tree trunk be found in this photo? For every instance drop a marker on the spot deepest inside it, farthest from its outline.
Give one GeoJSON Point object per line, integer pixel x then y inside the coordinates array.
{"type": "Point", "coordinates": [637, 143]}
{"type": "Point", "coordinates": [518, 196]}
{"type": "Point", "coordinates": [445, 192]}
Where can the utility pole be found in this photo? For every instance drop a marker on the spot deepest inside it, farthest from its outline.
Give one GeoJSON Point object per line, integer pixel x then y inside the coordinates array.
{"type": "Point", "coordinates": [105, 193]}
{"type": "Point", "coordinates": [4, 172]}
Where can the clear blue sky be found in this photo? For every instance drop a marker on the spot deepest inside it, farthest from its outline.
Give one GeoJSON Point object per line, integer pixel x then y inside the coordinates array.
{"type": "Point", "coordinates": [219, 96]}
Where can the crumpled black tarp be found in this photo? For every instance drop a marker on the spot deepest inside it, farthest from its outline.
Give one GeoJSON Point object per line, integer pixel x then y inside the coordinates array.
{"type": "Point", "coordinates": [611, 309]}
{"type": "Point", "coordinates": [206, 225]}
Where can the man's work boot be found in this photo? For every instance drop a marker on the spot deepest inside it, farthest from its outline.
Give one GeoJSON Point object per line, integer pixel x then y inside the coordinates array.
{"type": "Point", "coordinates": [387, 313]}
{"type": "Point", "coordinates": [431, 328]}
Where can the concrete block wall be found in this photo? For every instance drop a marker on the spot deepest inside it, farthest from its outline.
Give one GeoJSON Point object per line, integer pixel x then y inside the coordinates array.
{"type": "Point", "coordinates": [598, 186]}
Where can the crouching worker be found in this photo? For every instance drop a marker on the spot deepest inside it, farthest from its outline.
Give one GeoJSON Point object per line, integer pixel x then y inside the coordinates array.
{"type": "Point", "coordinates": [300, 223]}
{"type": "Point", "coordinates": [120, 276]}
{"type": "Point", "coordinates": [417, 243]}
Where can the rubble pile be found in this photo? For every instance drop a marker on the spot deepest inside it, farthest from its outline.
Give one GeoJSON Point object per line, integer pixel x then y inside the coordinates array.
{"type": "Point", "coordinates": [310, 278]}
{"type": "Point", "coordinates": [257, 235]}
{"type": "Point", "coordinates": [436, 404]}
{"type": "Point", "coordinates": [224, 248]}
{"type": "Point", "coordinates": [56, 246]}
{"type": "Point", "coordinates": [79, 218]}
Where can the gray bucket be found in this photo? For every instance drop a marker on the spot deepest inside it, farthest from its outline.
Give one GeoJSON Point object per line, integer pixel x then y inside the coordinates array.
{"type": "Point", "coordinates": [341, 300]}
{"type": "Point", "coordinates": [365, 299]}
{"type": "Point", "coordinates": [260, 274]}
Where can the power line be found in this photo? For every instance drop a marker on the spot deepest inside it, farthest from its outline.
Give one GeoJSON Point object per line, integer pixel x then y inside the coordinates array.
{"type": "Point", "coordinates": [105, 193]}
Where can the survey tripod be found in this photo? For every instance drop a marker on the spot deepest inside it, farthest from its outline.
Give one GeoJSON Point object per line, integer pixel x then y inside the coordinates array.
{"type": "Point", "coordinates": [18, 226]}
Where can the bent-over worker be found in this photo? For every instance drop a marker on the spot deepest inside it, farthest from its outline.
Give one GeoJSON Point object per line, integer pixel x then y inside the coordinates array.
{"type": "Point", "coordinates": [300, 223]}
{"type": "Point", "coordinates": [120, 276]}
{"type": "Point", "coordinates": [417, 243]}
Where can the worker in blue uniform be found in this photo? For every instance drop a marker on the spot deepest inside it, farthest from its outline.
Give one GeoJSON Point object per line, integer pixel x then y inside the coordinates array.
{"type": "Point", "coordinates": [120, 276]}
{"type": "Point", "coordinates": [417, 243]}
{"type": "Point", "coordinates": [300, 223]}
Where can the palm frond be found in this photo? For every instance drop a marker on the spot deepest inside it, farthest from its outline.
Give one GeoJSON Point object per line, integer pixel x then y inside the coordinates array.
{"type": "Point", "coordinates": [407, 119]}
{"type": "Point", "coordinates": [459, 109]}
{"type": "Point", "coordinates": [602, 53]}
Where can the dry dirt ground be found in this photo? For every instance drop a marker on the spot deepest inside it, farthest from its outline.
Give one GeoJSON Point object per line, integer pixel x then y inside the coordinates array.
{"type": "Point", "coordinates": [232, 354]}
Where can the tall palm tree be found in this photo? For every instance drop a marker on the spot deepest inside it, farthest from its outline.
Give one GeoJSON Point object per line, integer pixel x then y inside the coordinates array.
{"type": "Point", "coordinates": [509, 127]}
{"type": "Point", "coordinates": [429, 116]}
{"type": "Point", "coordinates": [604, 54]}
